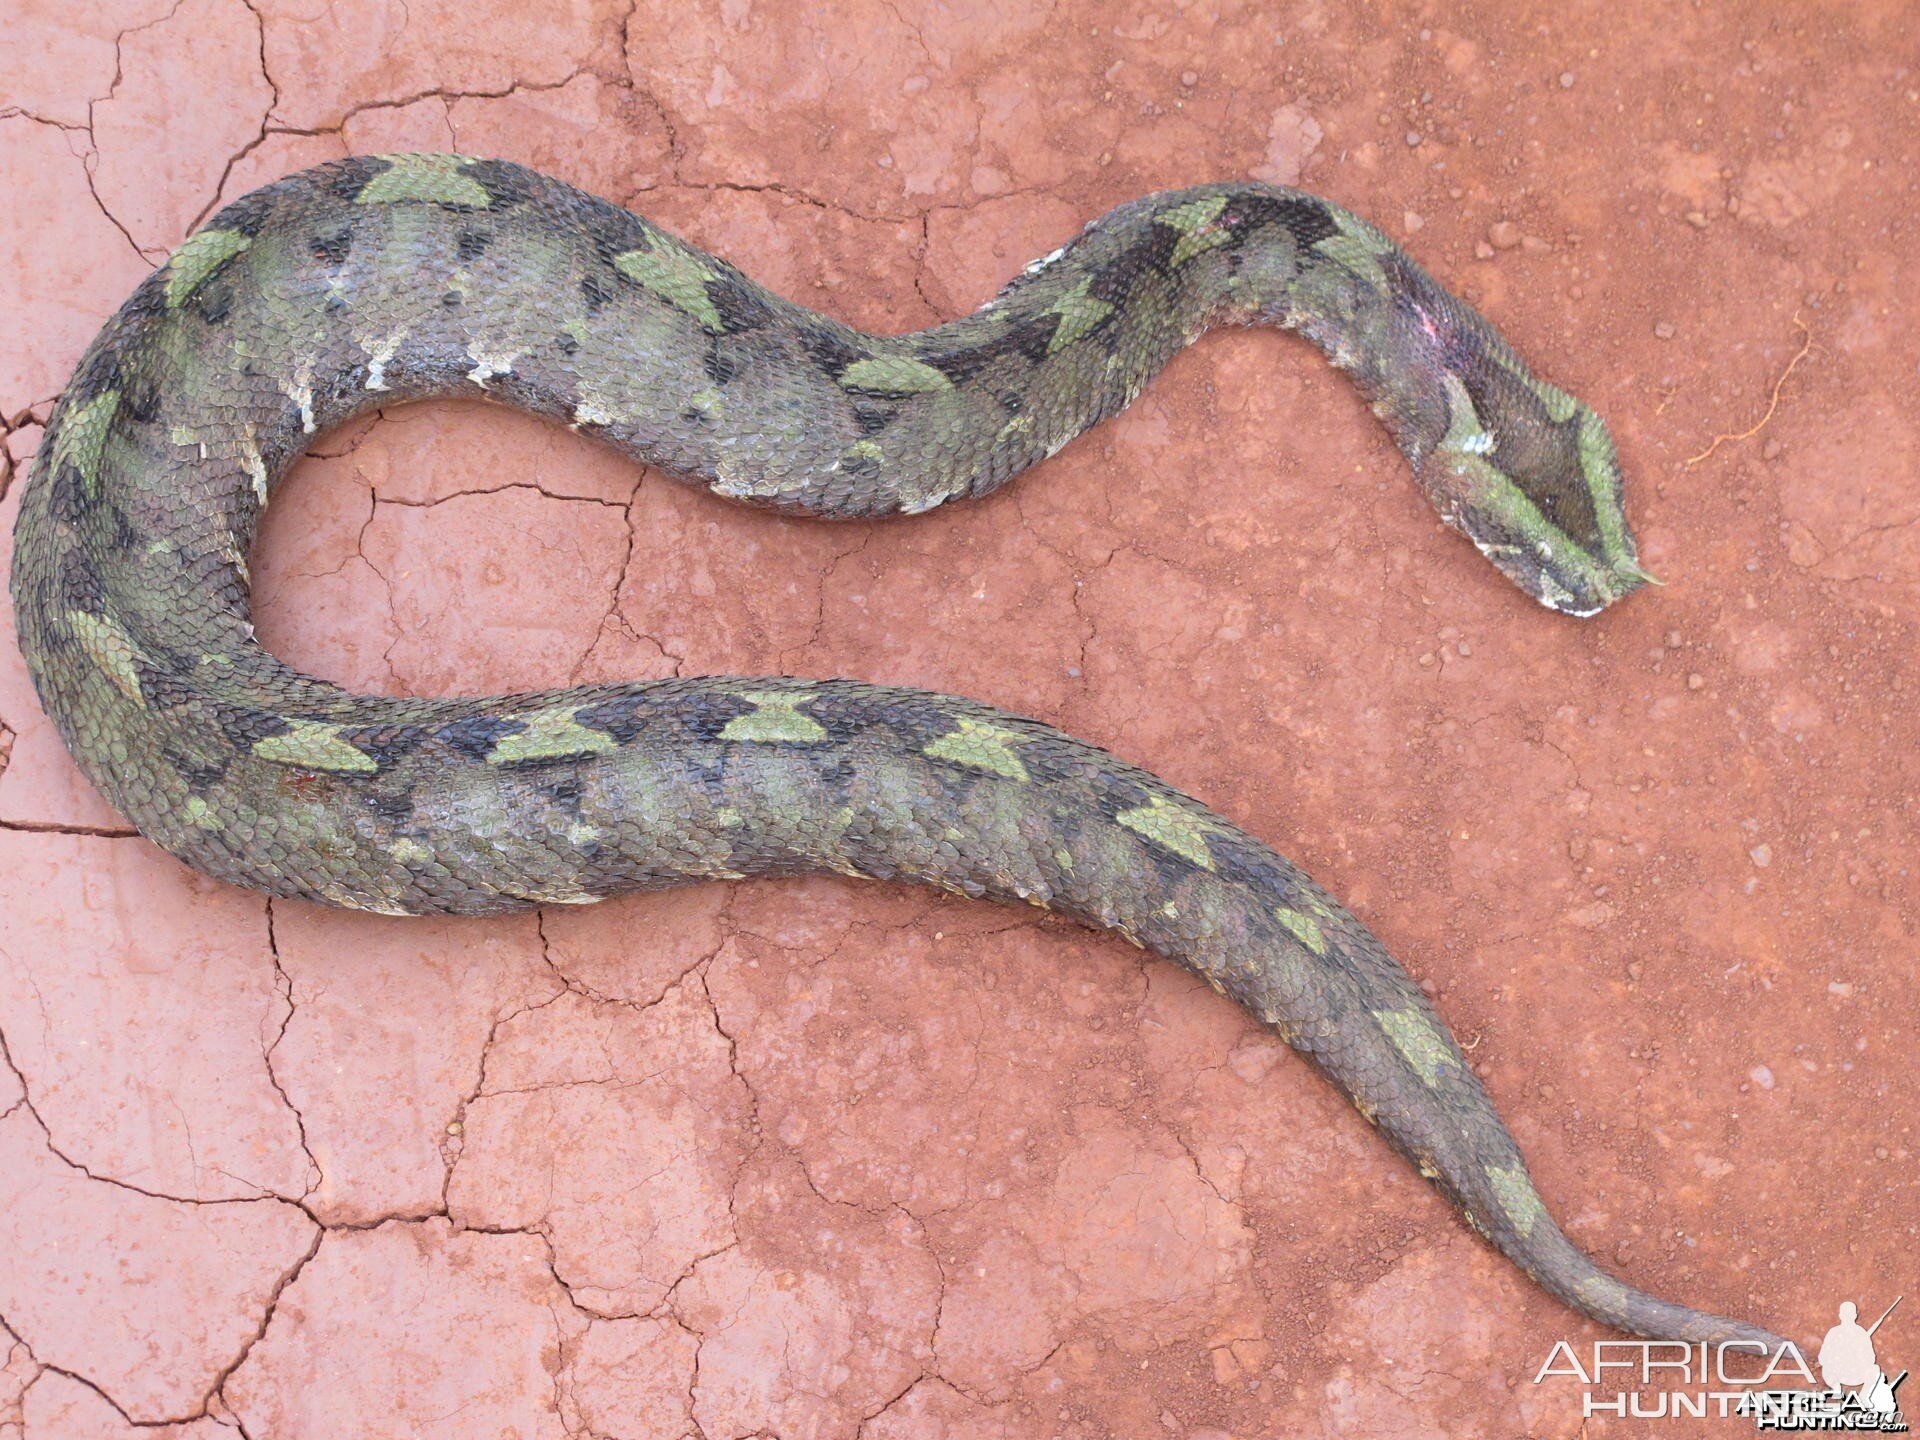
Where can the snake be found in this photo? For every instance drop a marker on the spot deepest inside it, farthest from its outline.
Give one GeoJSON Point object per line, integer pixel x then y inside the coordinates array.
{"type": "Point", "coordinates": [376, 280]}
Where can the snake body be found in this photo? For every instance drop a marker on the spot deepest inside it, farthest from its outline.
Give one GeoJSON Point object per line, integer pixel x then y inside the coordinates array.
{"type": "Point", "coordinates": [377, 280]}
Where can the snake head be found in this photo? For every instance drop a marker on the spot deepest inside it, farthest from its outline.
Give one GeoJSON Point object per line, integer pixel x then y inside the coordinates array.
{"type": "Point", "coordinates": [1538, 491]}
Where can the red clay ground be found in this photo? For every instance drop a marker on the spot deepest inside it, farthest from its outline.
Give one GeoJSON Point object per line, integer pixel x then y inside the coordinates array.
{"type": "Point", "coordinates": [831, 1160]}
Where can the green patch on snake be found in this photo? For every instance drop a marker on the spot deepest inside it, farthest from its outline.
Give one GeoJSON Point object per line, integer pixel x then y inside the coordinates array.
{"type": "Point", "coordinates": [774, 721]}
{"type": "Point", "coordinates": [196, 260]}
{"type": "Point", "coordinates": [676, 278]}
{"type": "Point", "coordinates": [1517, 1197]}
{"type": "Point", "coordinates": [1357, 248]}
{"type": "Point", "coordinates": [1414, 1036]}
{"type": "Point", "coordinates": [432, 179]}
{"type": "Point", "coordinates": [1600, 468]}
{"type": "Point", "coordinates": [549, 735]}
{"type": "Point", "coordinates": [1079, 313]}
{"type": "Point", "coordinates": [1302, 928]}
{"type": "Point", "coordinates": [315, 745]}
{"type": "Point", "coordinates": [893, 375]}
{"type": "Point", "coordinates": [109, 647]}
{"type": "Point", "coordinates": [1603, 1292]}
{"type": "Point", "coordinates": [1561, 407]}
{"type": "Point", "coordinates": [1194, 220]}
{"type": "Point", "coordinates": [200, 814]}
{"type": "Point", "coordinates": [83, 438]}
{"type": "Point", "coordinates": [1171, 826]}
{"type": "Point", "coordinates": [1319, 904]}
{"type": "Point", "coordinates": [982, 746]}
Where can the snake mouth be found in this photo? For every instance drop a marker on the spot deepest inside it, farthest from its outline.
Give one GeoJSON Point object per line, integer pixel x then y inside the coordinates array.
{"type": "Point", "coordinates": [1553, 569]}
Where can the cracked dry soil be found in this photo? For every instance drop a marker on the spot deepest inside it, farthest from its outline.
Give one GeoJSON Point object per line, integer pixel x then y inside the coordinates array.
{"type": "Point", "coordinates": [817, 1160]}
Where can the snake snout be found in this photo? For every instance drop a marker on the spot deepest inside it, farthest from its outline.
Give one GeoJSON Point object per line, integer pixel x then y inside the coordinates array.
{"type": "Point", "coordinates": [1573, 568]}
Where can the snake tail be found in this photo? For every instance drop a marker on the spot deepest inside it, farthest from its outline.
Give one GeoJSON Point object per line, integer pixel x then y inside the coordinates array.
{"type": "Point", "coordinates": [377, 280]}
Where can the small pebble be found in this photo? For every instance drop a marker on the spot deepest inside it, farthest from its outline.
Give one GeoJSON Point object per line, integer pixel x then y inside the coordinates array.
{"type": "Point", "coordinates": [1663, 331]}
{"type": "Point", "coordinates": [1696, 681]}
{"type": "Point", "coordinates": [1566, 79]}
{"type": "Point", "coordinates": [1414, 137]}
{"type": "Point", "coordinates": [1772, 449]}
{"type": "Point", "coordinates": [1466, 650]}
{"type": "Point", "coordinates": [1841, 989]}
{"type": "Point", "coordinates": [1761, 855]}
{"type": "Point", "coordinates": [1761, 1076]}
{"type": "Point", "coordinates": [1696, 220]}
{"type": "Point", "coordinates": [1674, 640]}
{"type": "Point", "coordinates": [1503, 234]}
{"type": "Point", "coordinates": [1189, 78]}
{"type": "Point", "coordinates": [1482, 250]}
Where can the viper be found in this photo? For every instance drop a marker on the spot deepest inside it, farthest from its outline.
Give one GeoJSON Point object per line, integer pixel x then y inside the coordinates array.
{"type": "Point", "coordinates": [377, 280]}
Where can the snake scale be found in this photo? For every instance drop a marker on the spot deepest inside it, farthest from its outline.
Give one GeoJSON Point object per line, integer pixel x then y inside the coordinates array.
{"type": "Point", "coordinates": [376, 280]}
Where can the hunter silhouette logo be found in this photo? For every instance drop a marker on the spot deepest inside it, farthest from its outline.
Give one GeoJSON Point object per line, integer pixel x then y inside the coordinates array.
{"type": "Point", "coordinates": [1668, 1379]}
{"type": "Point", "coordinates": [1851, 1370]}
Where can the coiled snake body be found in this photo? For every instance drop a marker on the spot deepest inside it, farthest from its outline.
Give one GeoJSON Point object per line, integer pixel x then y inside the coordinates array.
{"type": "Point", "coordinates": [377, 280]}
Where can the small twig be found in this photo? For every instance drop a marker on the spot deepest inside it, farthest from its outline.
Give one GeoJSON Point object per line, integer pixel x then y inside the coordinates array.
{"type": "Point", "coordinates": [1806, 344]}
